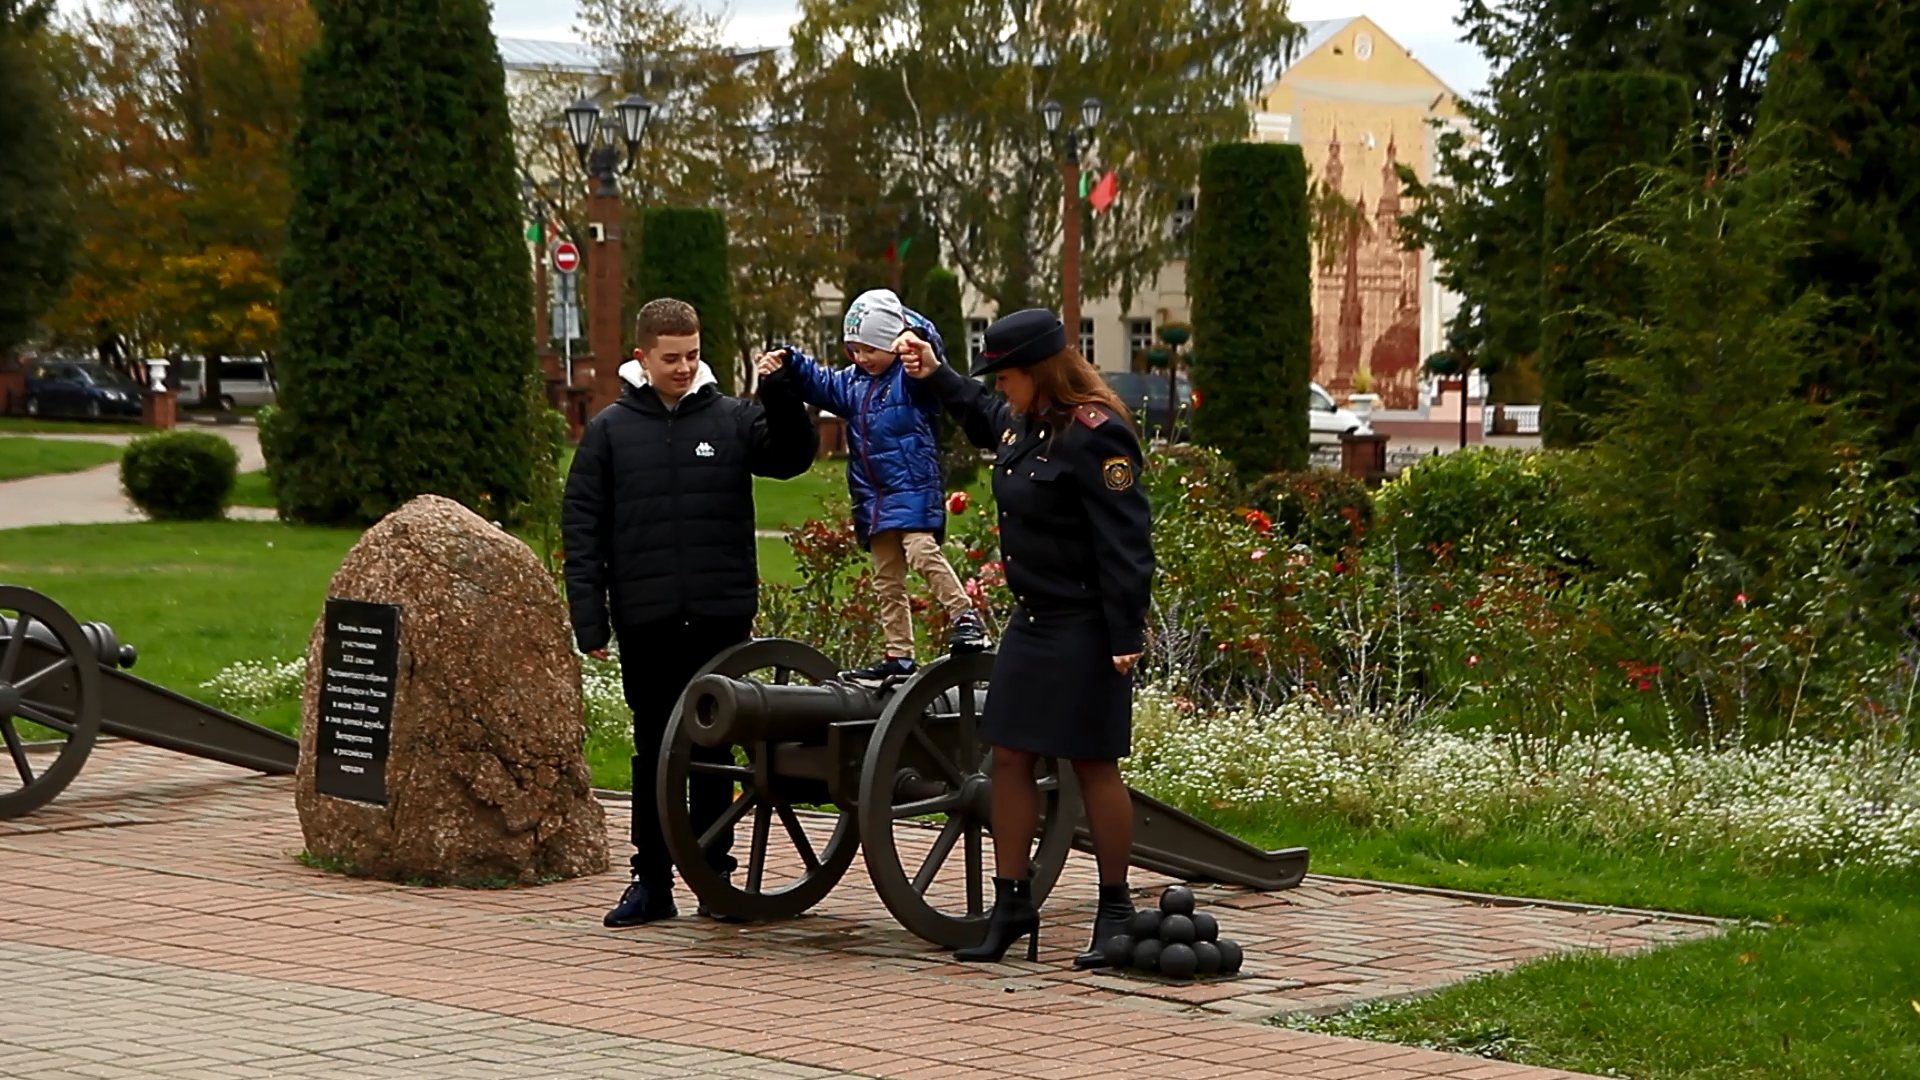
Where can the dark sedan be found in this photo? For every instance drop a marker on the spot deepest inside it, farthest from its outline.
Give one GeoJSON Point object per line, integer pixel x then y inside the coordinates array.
{"type": "Point", "coordinates": [79, 388]}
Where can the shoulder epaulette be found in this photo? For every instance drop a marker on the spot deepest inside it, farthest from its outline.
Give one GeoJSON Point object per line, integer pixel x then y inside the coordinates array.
{"type": "Point", "coordinates": [1092, 415]}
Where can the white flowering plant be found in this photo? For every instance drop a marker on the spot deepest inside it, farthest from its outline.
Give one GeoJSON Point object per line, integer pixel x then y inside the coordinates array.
{"type": "Point", "coordinates": [1800, 803]}
{"type": "Point", "coordinates": [250, 686]}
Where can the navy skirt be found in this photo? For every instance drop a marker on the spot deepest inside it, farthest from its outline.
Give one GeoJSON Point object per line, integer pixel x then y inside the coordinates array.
{"type": "Point", "coordinates": [1054, 689]}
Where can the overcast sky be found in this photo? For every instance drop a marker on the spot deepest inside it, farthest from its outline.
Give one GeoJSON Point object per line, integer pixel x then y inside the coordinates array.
{"type": "Point", "coordinates": [1424, 26]}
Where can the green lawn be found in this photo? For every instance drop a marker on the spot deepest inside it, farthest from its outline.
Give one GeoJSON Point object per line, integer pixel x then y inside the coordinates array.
{"type": "Point", "coordinates": [232, 590]}
{"type": "Point", "coordinates": [250, 489]}
{"type": "Point", "coordinates": [786, 504]}
{"type": "Point", "coordinates": [30, 426]}
{"type": "Point", "coordinates": [1824, 986]}
{"type": "Point", "coordinates": [192, 598]}
{"type": "Point", "coordinates": [22, 457]}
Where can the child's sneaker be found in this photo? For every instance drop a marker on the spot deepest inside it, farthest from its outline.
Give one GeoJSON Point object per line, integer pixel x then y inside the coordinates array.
{"type": "Point", "coordinates": [886, 671]}
{"type": "Point", "coordinates": [969, 633]}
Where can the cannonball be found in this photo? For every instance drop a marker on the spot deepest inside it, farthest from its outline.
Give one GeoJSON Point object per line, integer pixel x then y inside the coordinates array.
{"type": "Point", "coordinates": [1177, 930]}
{"type": "Point", "coordinates": [1206, 958]}
{"type": "Point", "coordinates": [1177, 900]}
{"type": "Point", "coordinates": [1145, 924]}
{"type": "Point", "coordinates": [1231, 956]}
{"type": "Point", "coordinates": [1146, 954]}
{"type": "Point", "coordinates": [1205, 927]}
{"type": "Point", "coordinates": [1178, 961]}
{"type": "Point", "coordinates": [1117, 949]}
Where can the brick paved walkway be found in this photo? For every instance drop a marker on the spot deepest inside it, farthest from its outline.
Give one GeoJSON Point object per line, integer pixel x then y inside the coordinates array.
{"type": "Point", "coordinates": [154, 868]}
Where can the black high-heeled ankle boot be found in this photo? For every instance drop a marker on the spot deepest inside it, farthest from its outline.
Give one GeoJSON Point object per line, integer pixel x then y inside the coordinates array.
{"type": "Point", "coordinates": [1013, 917]}
{"type": "Point", "coordinates": [1110, 918]}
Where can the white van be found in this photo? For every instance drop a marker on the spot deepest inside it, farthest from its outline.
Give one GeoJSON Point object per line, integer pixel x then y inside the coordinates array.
{"type": "Point", "coordinates": [244, 380]}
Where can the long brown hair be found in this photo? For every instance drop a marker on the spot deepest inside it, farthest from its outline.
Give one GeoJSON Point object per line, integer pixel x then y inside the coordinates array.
{"type": "Point", "coordinates": [1065, 380]}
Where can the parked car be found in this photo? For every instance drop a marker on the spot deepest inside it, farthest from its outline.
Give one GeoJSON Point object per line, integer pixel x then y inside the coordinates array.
{"type": "Point", "coordinates": [1146, 394]}
{"type": "Point", "coordinates": [57, 387]}
{"type": "Point", "coordinates": [244, 380]}
{"type": "Point", "coordinates": [1325, 417]}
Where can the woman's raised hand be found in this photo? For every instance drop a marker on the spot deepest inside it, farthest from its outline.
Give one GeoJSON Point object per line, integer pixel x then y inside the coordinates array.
{"type": "Point", "coordinates": [917, 354]}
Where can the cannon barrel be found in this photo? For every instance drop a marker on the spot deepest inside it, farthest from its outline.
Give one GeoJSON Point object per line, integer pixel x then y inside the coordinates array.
{"type": "Point", "coordinates": [105, 644]}
{"type": "Point", "coordinates": [724, 711]}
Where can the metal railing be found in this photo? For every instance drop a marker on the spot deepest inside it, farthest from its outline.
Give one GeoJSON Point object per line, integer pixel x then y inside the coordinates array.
{"type": "Point", "coordinates": [1525, 419]}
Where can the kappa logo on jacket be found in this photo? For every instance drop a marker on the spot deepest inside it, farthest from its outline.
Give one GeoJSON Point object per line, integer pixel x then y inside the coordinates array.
{"type": "Point", "coordinates": [705, 449]}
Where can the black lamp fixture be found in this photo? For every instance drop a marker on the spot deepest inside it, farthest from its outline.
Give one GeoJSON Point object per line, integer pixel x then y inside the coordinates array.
{"type": "Point", "coordinates": [584, 123]}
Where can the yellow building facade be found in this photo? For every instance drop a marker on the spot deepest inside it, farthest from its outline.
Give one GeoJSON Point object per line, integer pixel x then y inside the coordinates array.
{"type": "Point", "coordinates": [1357, 103]}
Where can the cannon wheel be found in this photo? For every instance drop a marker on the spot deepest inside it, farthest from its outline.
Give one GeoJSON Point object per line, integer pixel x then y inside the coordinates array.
{"type": "Point", "coordinates": [754, 897]}
{"type": "Point", "coordinates": [27, 681]}
{"type": "Point", "coordinates": [927, 761]}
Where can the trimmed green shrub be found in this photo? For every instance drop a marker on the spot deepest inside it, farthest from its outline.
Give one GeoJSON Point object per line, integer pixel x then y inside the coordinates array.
{"type": "Point", "coordinates": [406, 361]}
{"type": "Point", "coordinates": [1477, 507]}
{"type": "Point", "coordinates": [940, 294]}
{"type": "Point", "coordinates": [1252, 306]}
{"type": "Point", "coordinates": [545, 484]}
{"type": "Point", "coordinates": [180, 475]}
{"type": "Point", "coordinates": [1325, 509]}
{"type": "Point", "coordinates": [1840, 98]}
{"type": "Point", "coordinates": [683, 254]}
{"type": "Point", "coordinates": [1601, 124]}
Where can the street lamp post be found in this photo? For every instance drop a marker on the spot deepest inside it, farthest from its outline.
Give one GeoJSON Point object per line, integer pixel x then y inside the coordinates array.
{"type": "Point", "coordinates": [1069, 144]}
{"type": "Point", "coordinates": [592, 137]}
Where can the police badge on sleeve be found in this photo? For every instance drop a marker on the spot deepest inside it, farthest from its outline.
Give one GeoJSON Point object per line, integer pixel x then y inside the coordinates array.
{"type": "Point", "coordinates": [1118, 473]}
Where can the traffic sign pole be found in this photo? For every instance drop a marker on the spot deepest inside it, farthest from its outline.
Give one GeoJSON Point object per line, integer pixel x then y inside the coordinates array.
{"type": "Point", "coordinates": [566, 260]}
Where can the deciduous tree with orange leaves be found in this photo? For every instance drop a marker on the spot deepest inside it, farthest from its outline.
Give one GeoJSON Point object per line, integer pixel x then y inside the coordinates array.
{"type": "Point", "coordinates": [185, 109]}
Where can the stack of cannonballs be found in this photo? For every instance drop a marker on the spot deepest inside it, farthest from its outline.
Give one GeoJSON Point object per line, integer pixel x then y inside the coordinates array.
{"type": "Point", "coordinates": [1174, 940]}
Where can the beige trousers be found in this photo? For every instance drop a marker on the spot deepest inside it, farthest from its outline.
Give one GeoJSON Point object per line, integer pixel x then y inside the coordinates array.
{"type": "Point", "coordinates": [893, 552]}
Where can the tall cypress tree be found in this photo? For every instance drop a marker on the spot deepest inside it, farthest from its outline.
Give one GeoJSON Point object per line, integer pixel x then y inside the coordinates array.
{"type": "Point", "coordinates": [407, 362]}
{"type": "Point", "coordinates": [1252, 306]}
{"type": "Point", "coordinates": [683, 254]}
{"type": "Point", "coordinates": [1841, 97]}
{"type": "Point", "coordinates": [939, 292]}
{"type": "Point", "coordinates": [36, 215]}
{"type": "Point", "coordinates": [1602, 124]}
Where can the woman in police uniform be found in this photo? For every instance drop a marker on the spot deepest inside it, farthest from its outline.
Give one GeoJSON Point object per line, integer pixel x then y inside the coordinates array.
{"type": "Point", "coordinates": [1079, 558]}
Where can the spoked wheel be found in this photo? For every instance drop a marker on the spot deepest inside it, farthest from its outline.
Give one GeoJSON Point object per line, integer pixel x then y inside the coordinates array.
{"type": "Point", "coordinates": [787, 867]}
{"type": "Point", "coordinates": [926, 789]}
{"type": "Point", "coordinates": [49, 695]}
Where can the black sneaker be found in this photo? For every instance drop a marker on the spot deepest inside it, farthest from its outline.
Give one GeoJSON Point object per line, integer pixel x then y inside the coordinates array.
{"type": "Point", "coordinates": [643, 902]}
{"type": "Point", "coordinates": [969, 633]}
{"type": "Point", "coordinates": [886, 671]}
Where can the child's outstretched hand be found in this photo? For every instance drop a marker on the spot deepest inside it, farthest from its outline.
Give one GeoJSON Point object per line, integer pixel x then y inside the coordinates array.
{"type": "Point", "coordinates": [917, 354]}
{"type": "Point", "coordinates": [770, 362]}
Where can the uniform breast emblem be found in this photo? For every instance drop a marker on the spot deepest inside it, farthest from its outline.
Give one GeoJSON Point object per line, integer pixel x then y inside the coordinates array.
{"type": "Point", "coordinates": [1118, 473]}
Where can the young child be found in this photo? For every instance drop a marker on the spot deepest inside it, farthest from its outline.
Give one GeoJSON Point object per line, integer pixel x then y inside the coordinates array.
{"type": "Point", "coordinates": [893, 470]}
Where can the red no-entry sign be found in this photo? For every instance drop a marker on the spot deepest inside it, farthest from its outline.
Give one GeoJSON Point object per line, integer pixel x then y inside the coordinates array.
{"type": "Point", "coordinates": [566, 257]}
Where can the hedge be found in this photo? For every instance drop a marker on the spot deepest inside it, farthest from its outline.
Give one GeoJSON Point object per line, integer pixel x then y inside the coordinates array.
{"type": "Point", "coordinates": [1600, 124]}
{"type": "Point", "coordinates": [683, 254]}
{"type": "Point", "coordinates": [1250, 275]}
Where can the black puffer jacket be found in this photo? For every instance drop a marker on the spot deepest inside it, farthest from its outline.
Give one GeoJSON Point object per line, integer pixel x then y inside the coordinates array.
{"type": "Point", "coordinates": [658, 512]}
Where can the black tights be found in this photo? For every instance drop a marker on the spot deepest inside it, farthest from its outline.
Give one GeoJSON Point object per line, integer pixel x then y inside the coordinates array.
{"type": "Point", "coordinates": [1016, 813]}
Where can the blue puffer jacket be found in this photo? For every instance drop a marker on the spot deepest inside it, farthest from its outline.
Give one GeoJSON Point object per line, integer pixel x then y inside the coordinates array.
{"type": "Point", "coordinates": [893, 438]}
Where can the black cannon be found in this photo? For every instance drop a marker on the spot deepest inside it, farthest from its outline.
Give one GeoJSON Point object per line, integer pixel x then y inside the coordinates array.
{"type": "Point", "coordinates": [904, 773]}
{"type": "Point", "coordinates": [62, 683]}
